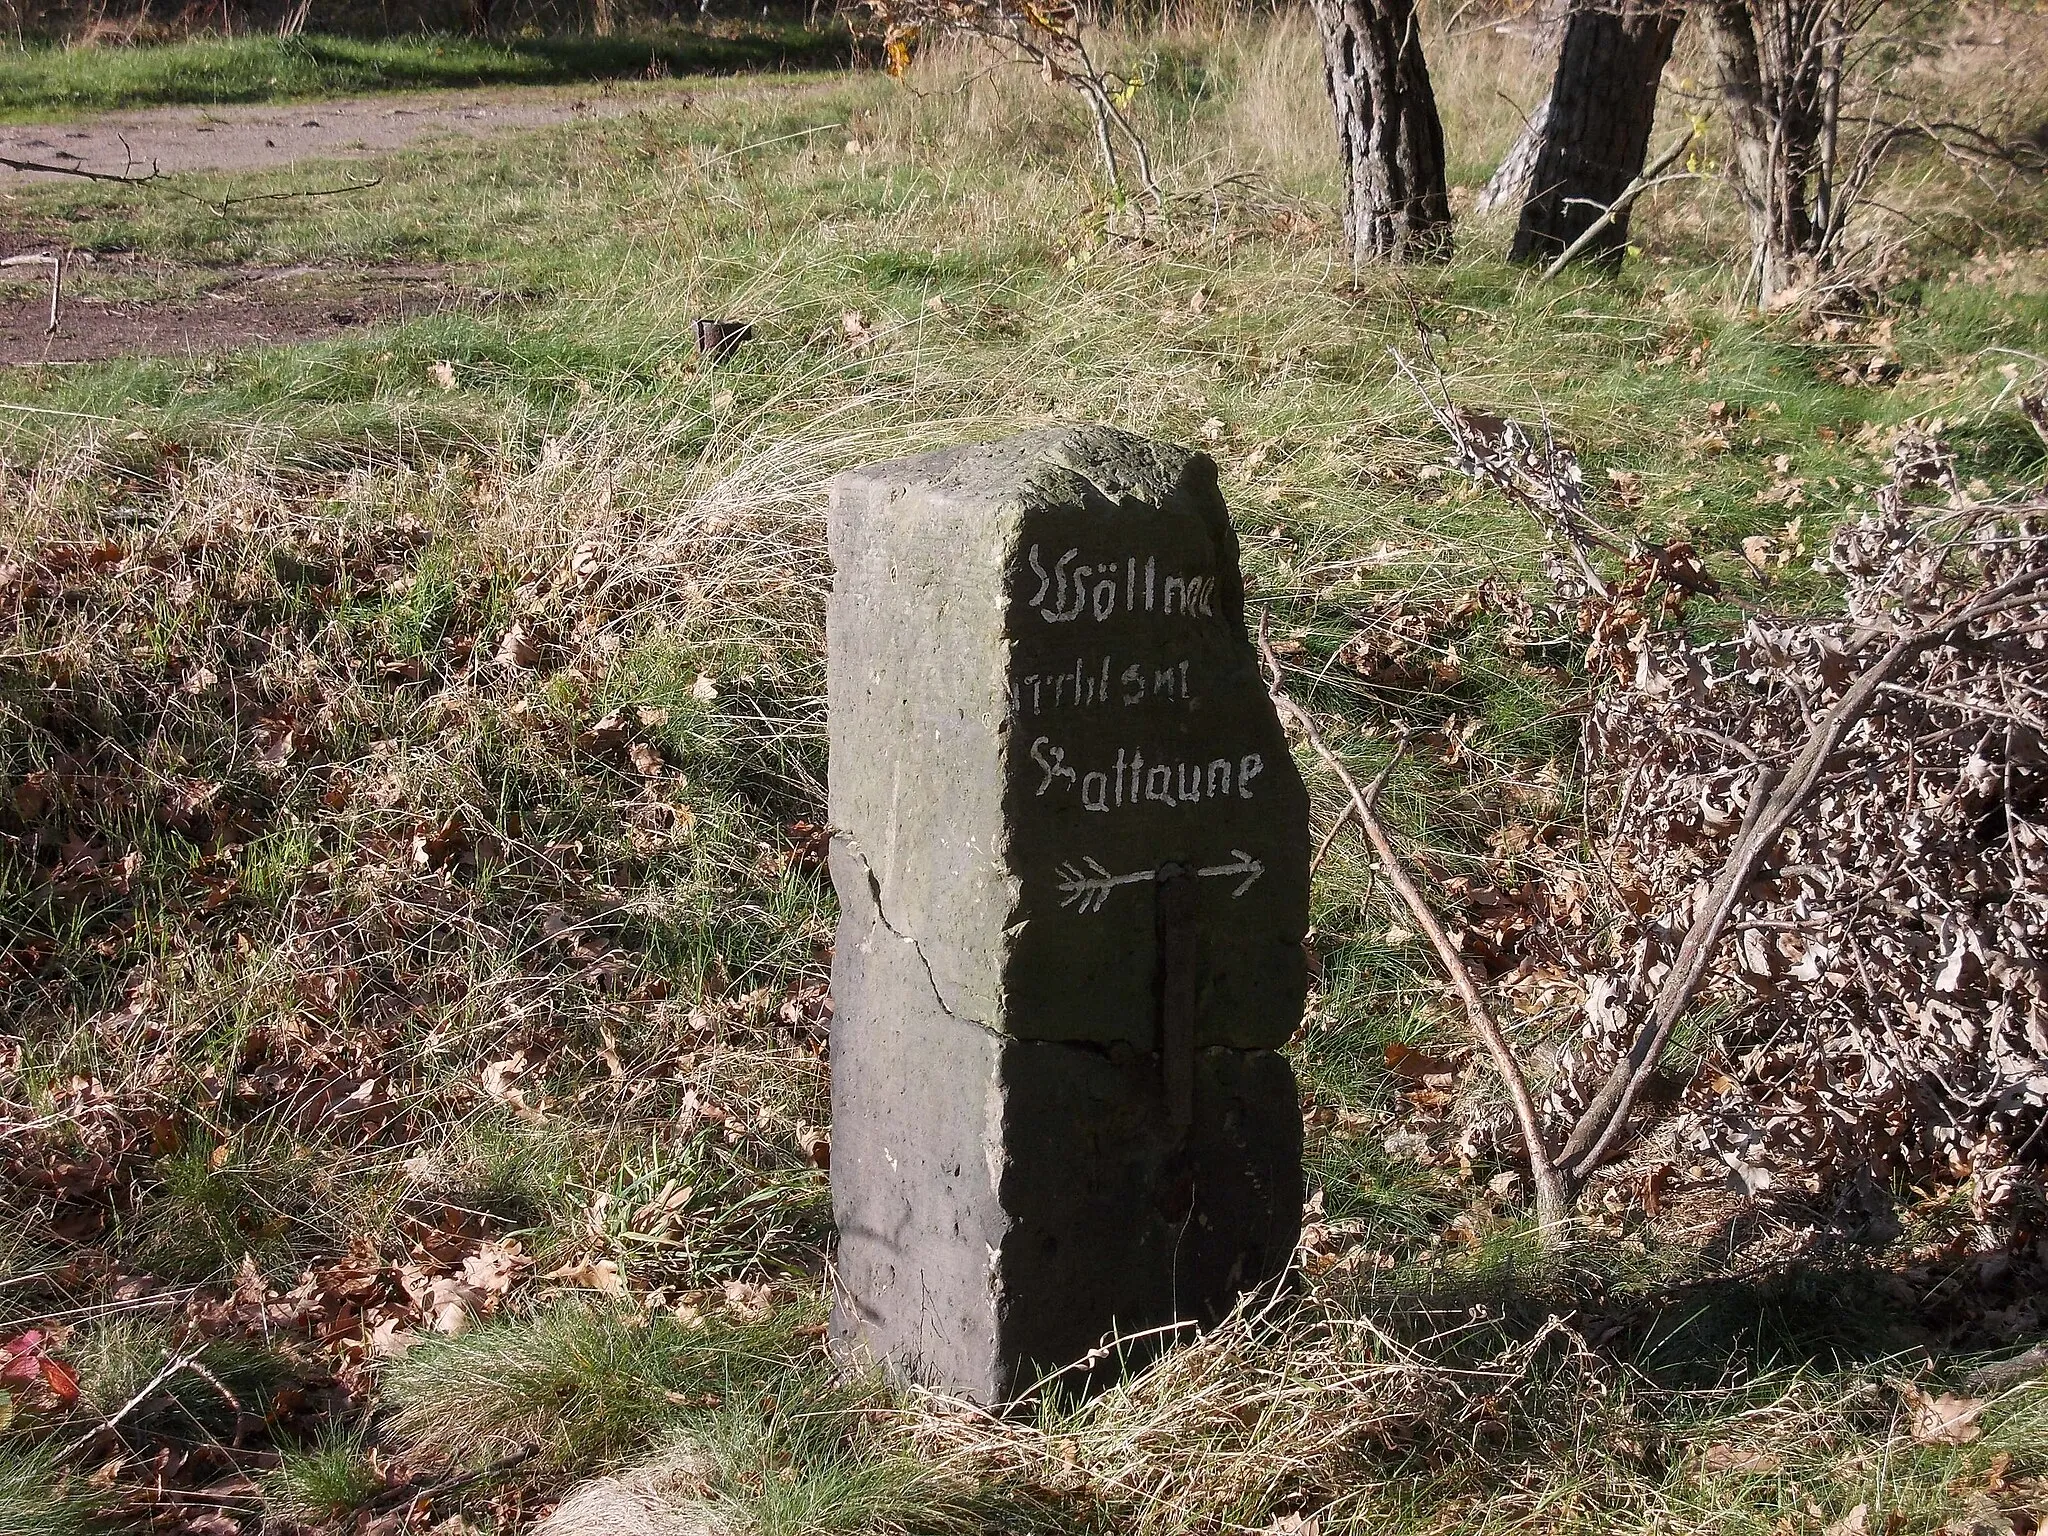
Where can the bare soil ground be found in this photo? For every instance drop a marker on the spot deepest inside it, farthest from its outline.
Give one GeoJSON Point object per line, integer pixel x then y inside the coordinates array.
{"type": "Point", "coordinates": [253, 306]}
{"type": "Point", "coordinates": [244, 138]}
{"type": "Point", "coordinates": [241, 307]}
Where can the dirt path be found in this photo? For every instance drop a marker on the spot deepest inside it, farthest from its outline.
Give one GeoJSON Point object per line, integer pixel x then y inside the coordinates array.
{"type": "Point", "coordinates": [243, 307]}
{"type": "Point", "coordinates": [254, 138]}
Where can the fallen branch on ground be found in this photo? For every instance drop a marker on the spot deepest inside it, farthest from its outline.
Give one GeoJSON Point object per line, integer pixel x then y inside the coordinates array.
{"type": "Point", "coordinates": [1552, 1203]}
{"type": "Point", "coordinates": [1776, 800]}
{"type": "Point", "coordinates": [55, 262]}
{"type": "Point", "coordinates": [1913, 720]}
{"type": "Point", "coordinates": [156, 174]}
{"type": "Point", "coordinates": [43, 168]}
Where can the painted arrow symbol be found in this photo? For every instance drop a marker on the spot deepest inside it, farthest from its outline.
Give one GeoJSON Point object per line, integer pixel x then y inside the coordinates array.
{"type": "Point", "coordinates": [1246, 865]}
{"type": "Point", "coordinates": [1087, 890]}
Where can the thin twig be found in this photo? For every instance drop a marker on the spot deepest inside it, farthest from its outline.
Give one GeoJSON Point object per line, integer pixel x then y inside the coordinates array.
{"type": "Point", "coordinates": [55, 262]}
{"type": "Point", "coordinates": [43, 168]}
{"type": "Point", "coordinates": [412, 1493]}
{"type": "Point", "coordinates": [1551, 1205]}
{"type": "Point", "coordinates": [178, 1363]}
{"type": "Point", "coordinates": [1323, 848]}
{"type": "Point", "coordinates": [1651, 177]}
{"type": "Point", "coordinates": [226, 203]}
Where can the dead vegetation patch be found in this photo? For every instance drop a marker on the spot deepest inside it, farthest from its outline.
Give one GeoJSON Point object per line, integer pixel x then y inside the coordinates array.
{"type": "Point", "coordinates": [183, 312]}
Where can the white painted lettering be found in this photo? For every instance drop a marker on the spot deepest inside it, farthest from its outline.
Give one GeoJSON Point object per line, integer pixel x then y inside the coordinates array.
{"type": "Point", "coordinates": [1095, 791]}
{"type": "Point", "coordinates": [1054, 766]}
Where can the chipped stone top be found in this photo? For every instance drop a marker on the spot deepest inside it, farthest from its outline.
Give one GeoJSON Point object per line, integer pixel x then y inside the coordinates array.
{"type": "Point", "coordinates": [1043, 697]}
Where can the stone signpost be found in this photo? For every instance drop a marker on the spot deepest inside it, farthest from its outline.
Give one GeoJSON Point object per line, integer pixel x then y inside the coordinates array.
{"type": "Point", "coordinates": [1071, 851]}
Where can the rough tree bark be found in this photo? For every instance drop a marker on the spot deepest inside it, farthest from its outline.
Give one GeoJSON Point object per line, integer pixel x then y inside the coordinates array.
{"type": "Point", "coordinates": [1389, 139]}
{"type": "Point", "coordinates": [1509, 182]}
{"type": "Point", "coordinates": [1780, 70]}
{"type": "Point", "coordinates": [1596, 126]}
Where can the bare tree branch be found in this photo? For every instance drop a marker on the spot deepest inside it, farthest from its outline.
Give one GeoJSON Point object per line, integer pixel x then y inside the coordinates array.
{"type": "Point", "coordinates": [1551, 1203]}
{"type": "Point", "coordinates": [1653, 176]}
{"type": "Point", "coordinates": [43, 168]}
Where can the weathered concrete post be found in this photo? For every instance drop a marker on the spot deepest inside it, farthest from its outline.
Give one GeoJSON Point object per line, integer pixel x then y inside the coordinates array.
{"type": "Point", "coordinates": [1071, 850]}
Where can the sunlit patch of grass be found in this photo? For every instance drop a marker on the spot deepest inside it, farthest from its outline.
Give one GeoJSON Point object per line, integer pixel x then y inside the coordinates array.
{"type": "Point", "coordinates": [582, 1383]}
{"type": "Point", "coordinates": [213, 1202]}
{"type": "Point", "coordinates": [40, 81]}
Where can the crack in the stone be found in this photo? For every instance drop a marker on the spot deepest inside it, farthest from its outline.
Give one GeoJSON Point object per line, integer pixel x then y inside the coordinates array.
{"type": "Point", "coordinates": [882, 916]}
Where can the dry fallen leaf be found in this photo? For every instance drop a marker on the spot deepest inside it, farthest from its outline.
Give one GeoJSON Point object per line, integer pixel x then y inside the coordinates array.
{"type": "Point", "coordinates": [493, 1268]}
{"type": "Point", "coordinates": [1406, 1061]}
{"type": "Point", "coordinates": [438, 847]}
{"type": "Point", "coordinates": [498, 1076]}
{"type": "Point", "coordinates": [748, 1303]}
{"type": "Point", "coordinates": [1948, 1419]}
{"type": "Point", "coordinates": [520, 647]}
{"type": "Point", "coordinates": [647, 759]}
{"type": "Point", "coordinates": [705, 689]}
{"type": "Point", "coordinates": [601, 1275]}
{"type": "Point", "coordinates": [443, 374]}
{"type": "Point", "coordinates": [1740, 1458]}
{"type": "Point", "coordinates": [390, 1339]}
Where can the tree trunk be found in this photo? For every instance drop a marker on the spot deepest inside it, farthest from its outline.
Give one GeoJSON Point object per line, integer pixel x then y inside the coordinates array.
{"type": "Point", "coordinates": [1780, 101]}
{"type": "Point", "coordinates": [1510, 180]}
{"type": "Point", "coordinates": [1596, 133]}
{"type": "Point", "coordinates": [1389, 140]}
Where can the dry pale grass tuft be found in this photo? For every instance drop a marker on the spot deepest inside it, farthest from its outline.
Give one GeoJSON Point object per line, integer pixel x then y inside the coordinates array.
{"type": "Point", "coordinates": [644, 1504]}
{"type": "Point", "coordinates": [1271, 1408]}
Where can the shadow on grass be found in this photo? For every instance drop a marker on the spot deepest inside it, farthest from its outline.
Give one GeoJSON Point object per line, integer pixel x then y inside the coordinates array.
{"type": "Point", "coordinates": [1809, 1292]}
{"type": "Point", "coordinates": [41, 81]}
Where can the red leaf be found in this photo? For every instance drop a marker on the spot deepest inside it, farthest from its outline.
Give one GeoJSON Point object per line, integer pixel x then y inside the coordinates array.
{"type": "Point", "coordinates": [61, 1380]}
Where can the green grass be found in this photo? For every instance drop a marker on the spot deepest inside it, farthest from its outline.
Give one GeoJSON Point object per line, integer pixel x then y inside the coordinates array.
{"type": "Point", "coordinates": [584, 1383]}
{"type": "Point", "coordinates": [49, 82]}
{"type": "Point", "coordinates": [381, 876]}
{"type": "Point", "coordinates": [38, 1498]}
{"type": "Point", "coordinates": [327, 1480]}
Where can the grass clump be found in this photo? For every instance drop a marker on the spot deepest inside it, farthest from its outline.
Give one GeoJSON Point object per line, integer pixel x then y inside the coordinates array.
{"type": "Point", "coordinates": [829, 1458]}
{"type": "Point", "coordinates": [576, 1384]}
{"type": "Point", "coordinates": [329, 1479]}
{"type": "Point", "coordinates": [38, 1497]}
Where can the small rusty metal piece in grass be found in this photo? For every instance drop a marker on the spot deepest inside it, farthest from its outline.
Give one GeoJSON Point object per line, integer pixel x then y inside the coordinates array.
{"type": "Point", "coordinates": [719, 339]}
